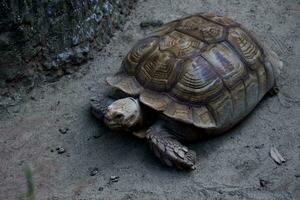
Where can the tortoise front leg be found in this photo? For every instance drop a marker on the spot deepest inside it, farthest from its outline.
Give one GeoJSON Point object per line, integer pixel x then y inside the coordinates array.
{"type": "Point", "coordinates": [99, 106]}
{"type": "Point", "coordinates": [100, 103]}
{"type": "Point", "coordinates": [168, 149]}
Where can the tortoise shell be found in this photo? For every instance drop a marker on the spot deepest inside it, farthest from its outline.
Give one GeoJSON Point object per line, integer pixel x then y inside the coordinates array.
{"type": "Point", "coordinates": [203, 69]}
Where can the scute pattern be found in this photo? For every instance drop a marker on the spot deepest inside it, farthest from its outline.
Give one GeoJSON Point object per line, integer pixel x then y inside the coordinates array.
{"type": "Point", "coordinates": [180, 44]}
{"type": "Point", "coordinates": [244, 45]}
{"type": "Point", "coordinates": [127, 84]}
{"type": "Point", "coordinates": [201, 29]}
{"type": "Point", "coordinates": [155, 71]}
{"type": "Point", "coordinates": [150, 98]}
{"type": "Point", "coordinates": [225, 21]}
{"type": "Point", "coordinates": [252, 90]}
{"type": "Point", "coordinates": [198, 82]}
{"type": "Point", "coordinates": [223, 109]}
{"type": "Point", "coordinates": [203, 70]}
{"type": "Point", "coordinates": [136, 54]}
{"type": "Point", "coordinates": [226, 64]}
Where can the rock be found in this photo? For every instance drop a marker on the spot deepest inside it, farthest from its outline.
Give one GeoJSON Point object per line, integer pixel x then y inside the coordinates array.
{"type": "Point", "coordinates": [63, 130]}
{"type": "Point", "coordinates": [97, 136]}
{"type": "Point", "coordinates": [151, 23]}
{"type": "Point", "coordinates": [276, 156]}
{"type": "Point", "coordinates": [94, 171]}
{"type": "Point", "coordinates": [33, 98]}
{"type": "Point", "coordinates": [60, 150]}
{"type": "Point", "coordinates": [263, 183]}
{"type": "Point", "coordinates": [114, 178]}
{"type": "Point", "coordinates": [259, 146]}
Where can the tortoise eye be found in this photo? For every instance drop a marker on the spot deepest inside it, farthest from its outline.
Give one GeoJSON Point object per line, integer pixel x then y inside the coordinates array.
{"type": "Point", "coordinates": [119, 116]}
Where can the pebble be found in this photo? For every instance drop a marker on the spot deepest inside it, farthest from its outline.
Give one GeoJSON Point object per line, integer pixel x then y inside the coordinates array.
{"type": "Point", "coordinates": [32, 98]}
{"type": "Point", "coordinates": [97, 136]}
{"type": "Point", "coordinates": [259, 146]}
{"type": "Point", "coordinates": [276, 156]}
{"type": "Point", "coordinates": [60, 150]}
{"type": "Point", "coordinates": [263, 183]}
{"type": "Point", "coordinates": [63, 130]}
{"type": "Point", "coordinates": [114, 178]}
{"type": "Point", "coordinates": [153, 23]}
{"type": "Point", "coordinates": [94, 171]}
{"type": "Point", "coordinates": [101, 189]}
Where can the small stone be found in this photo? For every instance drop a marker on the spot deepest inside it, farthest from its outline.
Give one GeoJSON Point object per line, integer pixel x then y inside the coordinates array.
{"type": "Point", "coordinates": [114, 178]}
{"type": "Point", "coordinates": [32, 98]}
{"type": "Point", "coordinates": [60, 150]}
{"type": "Point", "coordinates": [63, 130]}
{"type": "Point", "coordinates": [297, 175]}
{"type": "Point", "coordinates": [276, 156]}
{"type": "Point", "coordinates": [263, 183]}
{"type": "Point", "coordinates": [97, 136]}
{"type": "Point", "coordinates": [260, 146]}
{"type": "Point", "coordinates": [51, 150]}
{"type": "Point", "coordinates": [94, 171]}
{"type": "Point", "coordinates": [153, 23]}
{"type": "Point", "coordinates": [100, 188]}
{"type": "Point", "coordinates": [21, 162]}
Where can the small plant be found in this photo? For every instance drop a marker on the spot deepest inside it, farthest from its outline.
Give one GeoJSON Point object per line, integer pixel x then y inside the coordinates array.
{"type": "Point", "coordinates": [29, 182]}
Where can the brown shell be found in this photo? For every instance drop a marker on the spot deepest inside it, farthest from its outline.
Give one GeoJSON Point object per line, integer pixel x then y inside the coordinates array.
{"type": "Point", "coordinates": [203, 69]}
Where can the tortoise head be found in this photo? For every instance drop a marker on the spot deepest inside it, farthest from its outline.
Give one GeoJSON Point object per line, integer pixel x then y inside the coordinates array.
{"type": "Point", "coordinates": [123, 114]}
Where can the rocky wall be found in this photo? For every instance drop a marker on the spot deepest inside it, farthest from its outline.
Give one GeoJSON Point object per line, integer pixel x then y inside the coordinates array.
{"type": "Point", "coordinates": [51, 37]}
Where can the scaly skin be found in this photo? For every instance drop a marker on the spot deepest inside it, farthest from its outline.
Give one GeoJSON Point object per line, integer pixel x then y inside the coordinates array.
{"type": "Point", "coordinates": [168, 149]}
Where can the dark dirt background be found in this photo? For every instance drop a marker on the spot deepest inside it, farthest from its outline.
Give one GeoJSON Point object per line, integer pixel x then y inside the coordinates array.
{"type": "Point", "coordinates": [228, 167]}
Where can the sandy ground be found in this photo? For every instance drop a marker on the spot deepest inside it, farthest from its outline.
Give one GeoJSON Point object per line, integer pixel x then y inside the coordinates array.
{"type": "Point", "coordinates": [228, 167]}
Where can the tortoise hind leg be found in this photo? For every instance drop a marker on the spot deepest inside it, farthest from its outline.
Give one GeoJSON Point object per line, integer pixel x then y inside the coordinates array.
{"type": "Point", "coordinates": [168, 149]}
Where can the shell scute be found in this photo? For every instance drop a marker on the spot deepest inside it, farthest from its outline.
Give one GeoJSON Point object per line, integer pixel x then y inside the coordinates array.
{"type": "Point", "coordinates": [180, 44]}
{"type": "Point", "coordinates": [244, 45]}
{"type": "Point", "coordinates": [155, 100]}
{"type": "Point", "coordinates": [222, 109]}
{"type": "Point", "coordinates": [127, 84]}
{"type": "Point", "coordinates": [198, 81]}
{"type": "Point", "coordinates": [225, 21]}
{"type": "Point", "coordinates": [252, 89]}
{"type": "Point", "coordinates": [203, 118]}
{"type": "Point", "coordinates": [155, 71]}
{"type": "Point", "coordinates": [226, 64]}
{"type": "Point", "coordinates": [138, 52]}
{"type": "Point", "coordinates": [201, 29]}
{"type": "Point", "coordinates": [179, 112]}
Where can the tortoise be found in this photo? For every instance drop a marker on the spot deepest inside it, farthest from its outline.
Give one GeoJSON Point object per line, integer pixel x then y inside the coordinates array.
{"type": "Point", "coordinates": [194, 77]}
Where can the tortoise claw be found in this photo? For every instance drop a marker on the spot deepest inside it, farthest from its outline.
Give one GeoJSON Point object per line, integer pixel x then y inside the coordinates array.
{"type": "Point", "coordinates": [171, 152]}
{"type": "Point", "coordinates": [99, 105]}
